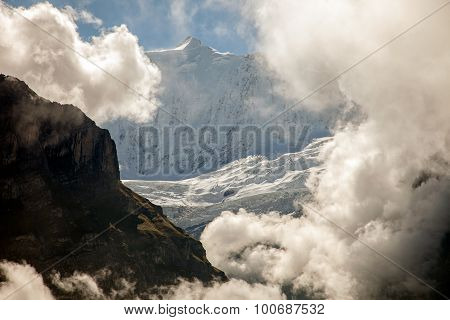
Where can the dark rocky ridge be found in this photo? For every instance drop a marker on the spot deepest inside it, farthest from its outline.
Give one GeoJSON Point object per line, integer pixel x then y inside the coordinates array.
{"type": "Point", "coordinates": [59, 187]}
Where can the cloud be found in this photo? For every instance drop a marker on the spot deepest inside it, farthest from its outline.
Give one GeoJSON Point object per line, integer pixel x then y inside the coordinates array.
{"type": "Point", "coordinates": [386, 181]}
{"type": "Point", "coordinates": [17, 275]}
{"type": "Point", "coordinates": [57, 73]}
{"type": "Point", "coordinates": [88, 286]}
{"type": "Point", "coordinates": [231, 290]}
{"type": "Point", "coordinates": [22, 282]}
{"type": "Point", "coordinates": [277, 250]}
{"type": "Point", "coordinates": [181, 13]}
{"type": "Point", "coordinates": [80, 283]}
{"type": "Point", "coordinates": [221, 30]}
{"type": "Point", "coordinates": [315, 259]}
{"type": "Point", "coordinates": [83, 16]}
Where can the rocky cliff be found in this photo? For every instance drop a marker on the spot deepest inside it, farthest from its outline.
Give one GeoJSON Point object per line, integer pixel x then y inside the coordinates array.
{"type": "Point", "coordinates": [60, 188]}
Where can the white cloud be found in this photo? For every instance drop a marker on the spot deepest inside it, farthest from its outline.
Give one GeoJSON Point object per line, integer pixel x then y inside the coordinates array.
{"type": "Point", "coordinates": [80, 283]}
{"type": "Point", "coordinates": [181, 15]}
{"type": "Point", "coordinates": [87, 286]}
{"type": "Point", "coordinates": [221, 30]}
{"type": "Point", "coordinates": [370, 184]}
{"type": "Point", "coordinates": [83, 16]}
{"type": "Point", "coordinates": [231, 290]}
{"type": "Point", "coordinates": [316, 259]}
{"type": "Point", "coordinates": [57, 73]}
{"type": "Point", "coordinates": [22, 283]}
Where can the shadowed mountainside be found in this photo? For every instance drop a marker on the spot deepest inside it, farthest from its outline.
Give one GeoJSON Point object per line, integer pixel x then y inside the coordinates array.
{"type": "Point", "coordinates": [60, 187]}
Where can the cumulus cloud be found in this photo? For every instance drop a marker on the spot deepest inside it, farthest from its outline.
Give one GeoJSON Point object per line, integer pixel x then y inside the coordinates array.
{"type": "Point", "coordinates": [16, 276]}
{"type": "Point", "coordinates": [253, 247]}
{"type": "Point", "coordinates": [386, 181]}
{"type": "Point", "coordinates": [314, 259]}
{"type": "Point", "coordinates": [57, 73]}
{"type": "Point", "coordinates": [231, 290]}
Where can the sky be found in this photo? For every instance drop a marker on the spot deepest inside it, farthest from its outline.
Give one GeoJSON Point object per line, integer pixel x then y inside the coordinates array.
{"type": "Point", "coordinates": [162, 23]}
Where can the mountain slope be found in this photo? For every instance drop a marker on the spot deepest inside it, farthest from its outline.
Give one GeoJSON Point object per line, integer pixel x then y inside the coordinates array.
{"type": "Point", "coordinates": [60, 188]}
{"type": "Point", "coordinates": [203, 87]}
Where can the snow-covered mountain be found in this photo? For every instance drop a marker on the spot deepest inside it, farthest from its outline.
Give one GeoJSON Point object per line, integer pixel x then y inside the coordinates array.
{"type": "Point", "coordinates": [254, 183]}
{"type": "Point", "coordinates": [201, 86]}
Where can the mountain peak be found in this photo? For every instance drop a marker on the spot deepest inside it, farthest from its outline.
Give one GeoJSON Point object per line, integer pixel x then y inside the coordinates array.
{"type": "Point", "coordinates": [189, 43]}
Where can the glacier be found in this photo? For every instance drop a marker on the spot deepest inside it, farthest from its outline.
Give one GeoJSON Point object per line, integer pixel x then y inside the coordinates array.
{"type": "Point", "coordinates": [255, 183]}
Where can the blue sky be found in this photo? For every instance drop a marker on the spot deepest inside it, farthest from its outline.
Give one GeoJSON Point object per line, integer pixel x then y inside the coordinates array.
{"type": "Point", "coordinates": [163, 23]}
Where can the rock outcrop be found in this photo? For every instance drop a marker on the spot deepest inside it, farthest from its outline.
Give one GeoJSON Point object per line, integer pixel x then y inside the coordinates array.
{"type": "Point", "coordinates": [60, 188]}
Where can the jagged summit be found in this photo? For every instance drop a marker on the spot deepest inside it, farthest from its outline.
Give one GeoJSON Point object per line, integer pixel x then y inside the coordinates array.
{"type": "Point", "coordinates": [189, 43]}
